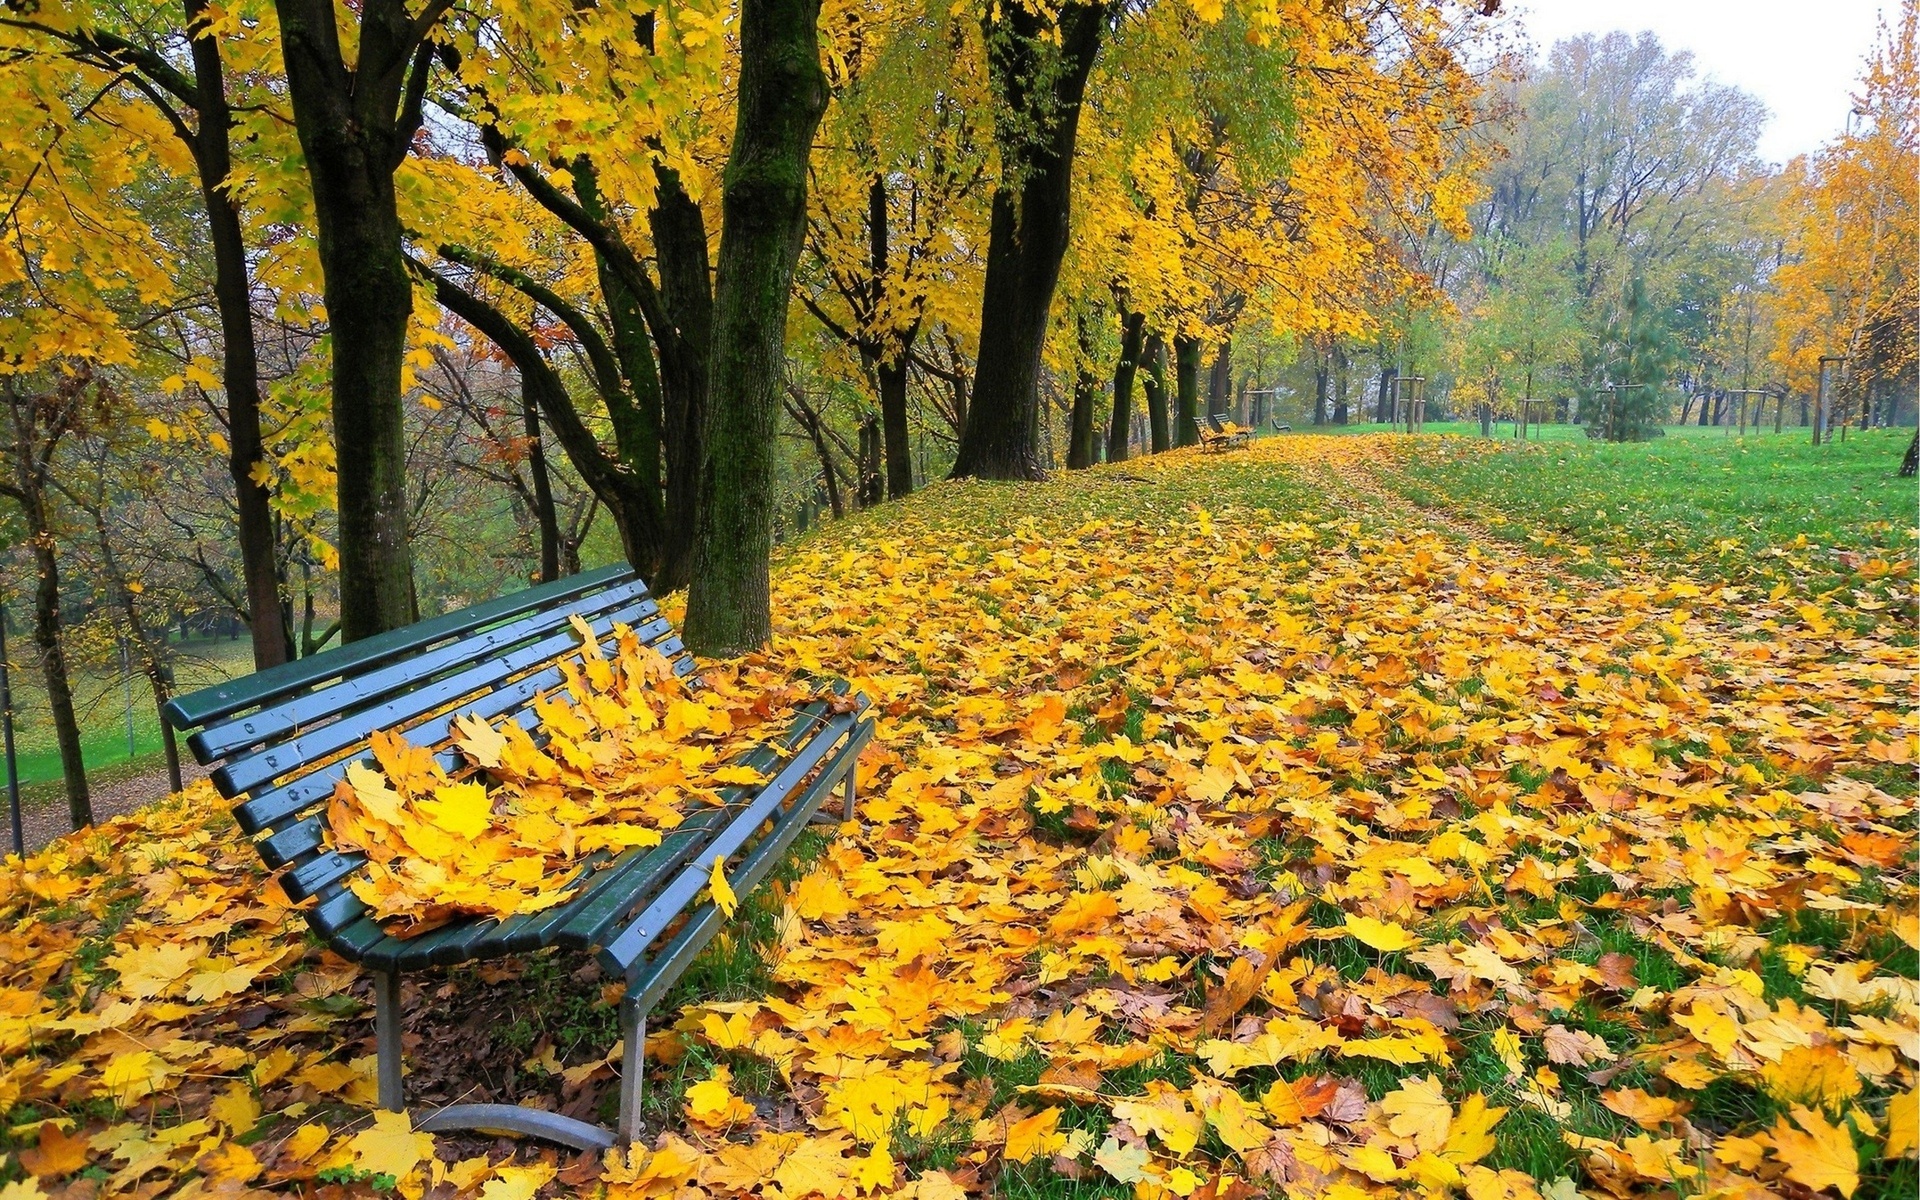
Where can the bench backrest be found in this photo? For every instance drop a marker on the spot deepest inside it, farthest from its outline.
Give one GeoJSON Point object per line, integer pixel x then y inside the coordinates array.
{"type": "Point", "coordinates": [283, 737]}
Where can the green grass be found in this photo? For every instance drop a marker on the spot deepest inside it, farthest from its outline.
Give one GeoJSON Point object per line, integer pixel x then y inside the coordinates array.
{"type": "Point", "coordinates": [1759, 511]}
{"type": "Point", "coordinates": [100, 698]}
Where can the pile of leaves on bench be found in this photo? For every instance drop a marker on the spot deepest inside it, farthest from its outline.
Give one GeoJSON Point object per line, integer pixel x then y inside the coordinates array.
{"type": "Point", "coordinates": [628, 751]}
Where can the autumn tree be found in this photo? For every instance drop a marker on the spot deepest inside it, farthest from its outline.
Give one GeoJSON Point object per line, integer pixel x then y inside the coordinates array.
{"type": "Point", "coordinates": [1851, 217]}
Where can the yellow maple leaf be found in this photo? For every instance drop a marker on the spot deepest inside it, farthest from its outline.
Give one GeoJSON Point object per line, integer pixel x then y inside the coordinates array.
{"type": "Point", "coordinates": [712, 1102]}
{"type": "Point", "coordinates": [463, 810]}
{"type": "Point", "coordinates": [721, 890]}
{"type": "Point", "coordinates": [1818, 1154]}
{"type": "Point", "coordinates": [1471, 1138]}
{"type": "Point", "coordinates": [1035, 1136]}
{"type": "Point", "coordinates": [390, 1147]}
{"type": "Point", "coordinates": [153, 970]}
{"type": "Point", "coordinates": [1812, 1075]}
{"type": "Point", "coordinates": [1384, 936]}
{"type": "Point", "coordinates": [1419, 1112]}
{"type": "Point", "coordinates": [517, 1183]}
{"type": "Point", "coordinates": [1163, 1112]}
{"type": "Point", "coordinates": [1649, 1112]}
{"type": "Point", "coordinates": [1903, 1125]}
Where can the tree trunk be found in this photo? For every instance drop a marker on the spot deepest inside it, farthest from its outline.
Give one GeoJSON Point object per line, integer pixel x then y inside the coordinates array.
{"type": "Point", "coordinates": [893, 424]}
{"type": "Point", "coordinates": [1385, 412]}
{"type": "Point", "coordinates": [633, 501]}
{"type": "Point", "coordinates": [543, 509]}
{"type": "Point", "coordinates": [53, 665]}
{"type": "Point", "coordinates": [1133, 327]}
{"type": "Point", "coordinates": [1910, 462]}
{"type": "Point", "coordinates": [354, 135]}
{"type": "Point", "coordinates": [1086, 389]}
{"type": "Point", "coordinates": [1160, 430]}
{"type": "Point", "coordinates": [1039, 70]}
{"type": "Point", "coordinates": [1320, 389]}
{"type": "Point", "coordinates": [240, 375]}
{"type": "Point", "coordinates": [1186, 375]}
{"type": "Point", "coordinates": [1340, 380]}
{"type": "Point", "coordinates": [30, 489]}
{"type": "Point", "coordinates": [1220, 384]}
{"type": "Point", "coordinates": [686, 364]}
{"type": "Point", "coordinates": [782, 92]}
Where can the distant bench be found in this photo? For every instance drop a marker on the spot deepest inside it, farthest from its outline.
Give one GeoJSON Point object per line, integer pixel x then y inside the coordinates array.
{"type": "Point", "coordinates": [279, 741]}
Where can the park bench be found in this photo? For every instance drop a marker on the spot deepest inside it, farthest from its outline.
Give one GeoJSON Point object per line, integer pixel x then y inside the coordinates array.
{"type": "Point", "coordinates": [1215, 439]}
{"type": "Point", "coordinates": [279, 740]}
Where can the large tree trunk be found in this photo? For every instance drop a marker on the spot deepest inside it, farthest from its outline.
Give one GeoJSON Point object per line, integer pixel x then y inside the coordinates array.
{"type": "Point", "coordinates": [890, 369]}
{"type": "Point", "coordinates": [1385, 413]}
{"type": "Point", "coordinates": [1133, 327]}
{"type": "Point", "coordinates": [1185, 390]}
{"type": "Point", "coordinates": [354, 136]}
{"type": "Point", "coordinates": [1159, 428]}
{"type": "Point", "coordinates": [1220, 384]}
{"type": "Point", "coordinates": [259, 568]}
{"type": "Point", "coordinates": [1186, 375]}
{"type": "Point", "coordinates": [1910, 462]}
{"type": "Point", "coordinates": [763, 204]}
{"type": "Point", "coordinates": [1039, 70]}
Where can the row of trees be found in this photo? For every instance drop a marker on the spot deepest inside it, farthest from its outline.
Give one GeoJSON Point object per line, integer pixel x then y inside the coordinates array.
{"type": "Point", "coordinates": [1632, 236]}
{"type": "Point", "coordinates": [283, 287]}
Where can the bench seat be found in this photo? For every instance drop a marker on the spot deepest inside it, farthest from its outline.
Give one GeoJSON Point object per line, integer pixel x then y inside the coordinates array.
{"type": "Point", "coordinates": [281, 739]}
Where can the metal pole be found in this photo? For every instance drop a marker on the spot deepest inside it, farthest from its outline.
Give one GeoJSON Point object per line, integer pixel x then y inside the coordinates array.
{"type": "Point", "coordinates": [6, 729]}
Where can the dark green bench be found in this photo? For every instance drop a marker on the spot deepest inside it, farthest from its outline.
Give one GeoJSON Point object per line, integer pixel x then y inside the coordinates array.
{"type": "Point", "coordinates": [280, 739]}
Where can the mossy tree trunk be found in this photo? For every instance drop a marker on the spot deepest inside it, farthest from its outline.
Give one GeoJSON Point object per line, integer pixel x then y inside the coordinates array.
{"type": "Point", "coordinates": [1186, 373]}
{"type": "Point", "coordinates": [356, 123]}
{"type": "Point", "coordinates": [1039, 69]}
{"type": "Point", "coordinates": [1159, 428]}
{"type": "Point", "coordinates": [240, 375]}
{"type": "Point", "coordinates": [763, 223]}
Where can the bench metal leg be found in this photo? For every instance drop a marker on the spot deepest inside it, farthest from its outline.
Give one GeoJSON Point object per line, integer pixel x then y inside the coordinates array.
{"type": "Point", "coordinates": [633, 1063]}
{"type": "Point", "coordinates": [849, 809]}
{"type": "Point", "coordinates": [386, 1037]}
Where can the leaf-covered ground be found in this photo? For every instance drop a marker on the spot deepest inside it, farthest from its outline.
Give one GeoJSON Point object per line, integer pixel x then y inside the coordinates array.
{"type": "Point", "coordinates": [1234, 828]}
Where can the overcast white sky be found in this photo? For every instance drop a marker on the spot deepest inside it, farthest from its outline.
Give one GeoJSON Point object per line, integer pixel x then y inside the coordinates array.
{"type": "Point", "coordinates": [1801, 59]}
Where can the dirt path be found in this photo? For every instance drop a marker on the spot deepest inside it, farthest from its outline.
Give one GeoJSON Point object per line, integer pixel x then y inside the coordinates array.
{"type": "Point", "coordinates": [44, 822]}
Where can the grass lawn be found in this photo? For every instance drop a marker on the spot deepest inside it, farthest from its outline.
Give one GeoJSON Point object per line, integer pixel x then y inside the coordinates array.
{"type": "Point", "coordinates": [1341, 816]}
{"type": "Point", "coordinates": [1762, 511]}
{"type": "Point", "coordinates": [100, 697]}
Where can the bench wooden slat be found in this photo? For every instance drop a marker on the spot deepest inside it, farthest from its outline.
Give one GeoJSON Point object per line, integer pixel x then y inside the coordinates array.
{"type": "Point", "coordinates": [264, 687]}
{"type": "Point", "coordinates": [229, 738]}
{"type": "Point", "coordinates": [591, 923]}
{"type": "Point", "coordinates": [605, 895]}
{"type": "Point", "coordinates": [271, 807]}
{"type": "Point", "coordinates": [249, 771]}
{"type": "Point", "coordinates": [650, 982]}
{"type": "Point", "coordinates": [640, 932]}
